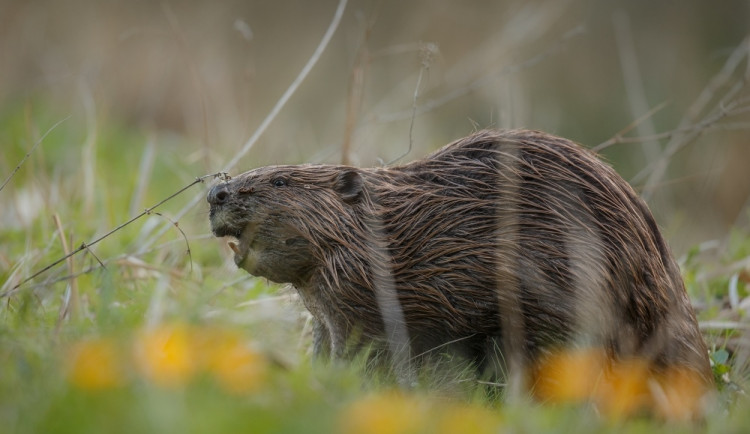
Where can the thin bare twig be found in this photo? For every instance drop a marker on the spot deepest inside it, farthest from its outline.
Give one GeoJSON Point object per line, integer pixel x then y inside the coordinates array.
{"type": "Point", "coordinates": [618, 138]}
{"type": "Point", "coordinates": [23, 160]}
{"type": "Point", "coordinates": [84, 246]}
{"type": "Point", "coordinates": [91, 252]}
{"type": "Point", "coordinates": [706, 124]}
{"type": "Point", "coordinates": [723, 325]}
{"type": "Point", "coordinates": [678, 139]}
{"type": "Point", "coordinates": [658, 169]}
{"type": "Point", "coordinates": [689, 128]}
{"type": "Point", "coordinates": [434, 103]}
{"type": "Point", "coordinates": [427, 53]}
{"type": "Point", "coordinates": [176, 224]}
{"type": "Point", "coordinates": [292, 88]}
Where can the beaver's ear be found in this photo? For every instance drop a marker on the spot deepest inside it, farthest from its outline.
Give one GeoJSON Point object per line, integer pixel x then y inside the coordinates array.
{"type": "Point", "coordinates": [348, 185]}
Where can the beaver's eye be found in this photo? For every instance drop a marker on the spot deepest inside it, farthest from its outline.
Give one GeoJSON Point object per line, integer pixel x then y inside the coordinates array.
{"type": "Point", "coordinates": [278, 182]}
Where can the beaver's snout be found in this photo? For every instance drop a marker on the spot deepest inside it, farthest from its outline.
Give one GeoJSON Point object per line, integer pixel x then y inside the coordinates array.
{"type": "Point", "coordinates": [222, 222]}
{"type": "Point", "coordinates": [218, 194]}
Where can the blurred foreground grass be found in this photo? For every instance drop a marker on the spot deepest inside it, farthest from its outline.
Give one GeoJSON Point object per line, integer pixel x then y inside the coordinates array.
{"type": "Point", "coordinates": [163, 340]}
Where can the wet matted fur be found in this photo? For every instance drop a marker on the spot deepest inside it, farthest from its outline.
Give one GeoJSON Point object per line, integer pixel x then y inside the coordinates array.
{"type": "Point", "coordinates": [504, 243]}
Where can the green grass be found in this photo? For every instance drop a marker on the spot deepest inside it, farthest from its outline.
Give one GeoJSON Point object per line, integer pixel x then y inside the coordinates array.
{"type": "Point", "coordinates": [114, 312]}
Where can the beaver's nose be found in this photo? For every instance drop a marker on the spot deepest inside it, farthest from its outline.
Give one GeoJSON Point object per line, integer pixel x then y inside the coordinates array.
{"type": "Point", "coordinates": [218, 194]}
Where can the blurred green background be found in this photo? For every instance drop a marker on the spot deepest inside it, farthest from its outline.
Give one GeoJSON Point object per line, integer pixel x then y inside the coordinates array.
{"type": "Point", "coordinates": [196, 78]}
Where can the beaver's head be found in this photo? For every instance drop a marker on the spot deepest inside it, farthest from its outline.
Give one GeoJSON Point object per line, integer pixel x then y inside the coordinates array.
{"type": "Point", "coordinates": [283, 218]}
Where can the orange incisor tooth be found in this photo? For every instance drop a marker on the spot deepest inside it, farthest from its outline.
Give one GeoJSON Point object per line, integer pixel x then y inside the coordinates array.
{"type": "Point", "coordinates": [233, 245]}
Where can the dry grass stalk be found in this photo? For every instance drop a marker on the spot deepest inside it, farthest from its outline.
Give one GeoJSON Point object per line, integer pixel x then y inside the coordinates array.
{"type": "Point", "coordinates": [636, 91]}
{"type": "Point", "coordinates": [37, 143]}
{"type": "Point", "coordinates": [727, 105]}
{"type": "Point", "coordinates": [70, 303]}
{"type": "Point", "coordinates": [354, 96]}
{"type": "Point", "coordinates": [484, 80]}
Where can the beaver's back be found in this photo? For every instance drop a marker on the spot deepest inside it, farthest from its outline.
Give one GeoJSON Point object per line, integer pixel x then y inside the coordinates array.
{"type": "Point", "coordinates": [518, 232]}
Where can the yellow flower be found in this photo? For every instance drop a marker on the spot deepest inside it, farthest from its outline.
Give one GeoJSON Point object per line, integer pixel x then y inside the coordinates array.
{"type": "Point", "coordinates": [620, 388]}
{"type": "Point", "coordinates": [679, 394]}
{"type": "Point", "coordinates": [94, 365]}
{"type": "Point", "coordinates": [462, 418]}
{"type": "Point", "coordinates": [624, 390]}
{"type": "Point", "coordinates": [386, 413]}
{"type": "Point", "coordinates": [569, 376]}
{"type": "Point", "coordinates": [237, 367]}
{"type": "Point", "coordinates": [165, 356]}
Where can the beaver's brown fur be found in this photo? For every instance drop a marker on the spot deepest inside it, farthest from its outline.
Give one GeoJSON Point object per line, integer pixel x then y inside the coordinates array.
{"type": "Point", "coordinates": [516, 241]}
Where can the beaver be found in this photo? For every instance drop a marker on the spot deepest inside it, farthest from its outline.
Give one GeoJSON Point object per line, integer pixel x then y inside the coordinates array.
{"type": "Point", "coordinates": [504, 245]}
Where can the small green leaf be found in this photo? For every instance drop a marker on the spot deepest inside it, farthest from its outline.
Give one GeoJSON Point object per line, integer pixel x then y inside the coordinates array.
{"type": "Point", "coordinates": [720, 356]}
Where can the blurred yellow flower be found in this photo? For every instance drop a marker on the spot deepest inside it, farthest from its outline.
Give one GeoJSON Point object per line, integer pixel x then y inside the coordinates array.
{"type": "Point", "coordinates": [624, 390]}
{"type": "Point", "coordinates": [463, 418]}
{"type": "Point", "coordinates": [385, 413]}
{"type": "Point", "coordinates": [95, 365]}
{"type": "Point", "coordinates": [619, 388]}
{"type": "Point", "coordinates": [679, 394]}
{"type": "Point", "coordinates": [237, 367]}
{"type": "Point", "coordinates": [569, 376]}
{"type": "Point", "coordinates": [165, 356]}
